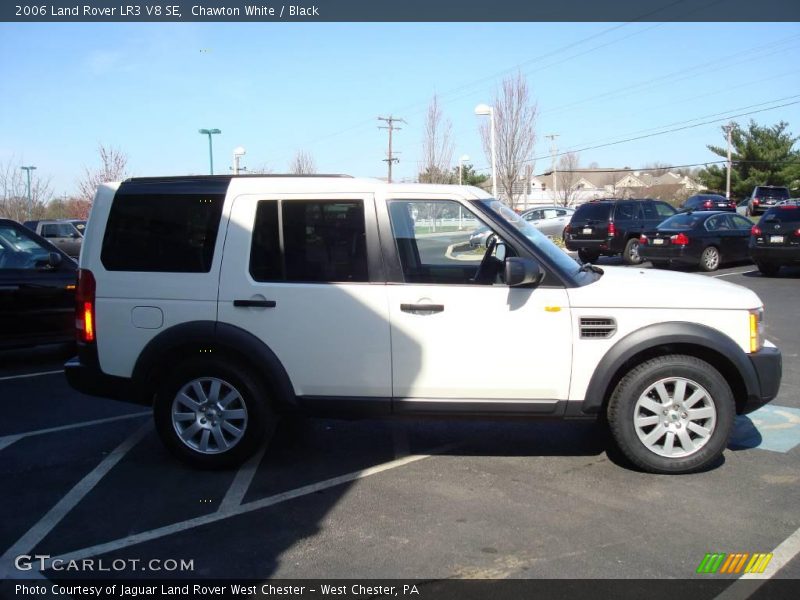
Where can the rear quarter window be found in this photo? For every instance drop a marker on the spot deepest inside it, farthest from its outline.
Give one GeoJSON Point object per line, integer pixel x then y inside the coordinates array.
{"type": "Point", "coordinates": [162, 232]}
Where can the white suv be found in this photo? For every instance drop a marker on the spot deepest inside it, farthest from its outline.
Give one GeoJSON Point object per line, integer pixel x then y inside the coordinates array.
{"type": "Point", "coordinates": [226, 301]}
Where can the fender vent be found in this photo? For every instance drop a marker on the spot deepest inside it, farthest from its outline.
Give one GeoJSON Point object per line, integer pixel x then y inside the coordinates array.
{"type": "Point", "coordinates": [597, 327]}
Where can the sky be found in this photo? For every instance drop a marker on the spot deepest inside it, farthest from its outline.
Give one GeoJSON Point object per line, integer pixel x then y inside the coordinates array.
{"type": "Point", "coordinates": [277, 88]}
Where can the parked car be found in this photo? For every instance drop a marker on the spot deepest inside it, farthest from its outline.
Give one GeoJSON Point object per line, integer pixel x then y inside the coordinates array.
{"type": "Point", "coordinates": [705, 239]}
{"type": "Point", "coordinates": [610, 227]}
{"type": "Point", "coordinates": [741, 207]}
{"type": "Point", "coordinates": [37, 289]}
{"type": "Point", "coordinates": [550, 220]}
{"type": "Point", "coordinates": [764, 196]}
{"type": "Point", "coordinates": [708, 202]}
{"type": "Point", "coordinates": [61, 233]}
{"type": "Point", "coordinates": [224, 301]}
{"type": "Point", "coordinates": [775, 240]}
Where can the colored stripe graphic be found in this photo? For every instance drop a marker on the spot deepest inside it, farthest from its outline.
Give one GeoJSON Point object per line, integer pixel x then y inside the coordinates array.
{"type": "Point", "coordinates": [720, 562]}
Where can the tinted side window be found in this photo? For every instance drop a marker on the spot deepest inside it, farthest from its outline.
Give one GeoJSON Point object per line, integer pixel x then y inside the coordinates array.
{"type": "Point", "coordinates": [627, 211]}
{"type": "Point", "coordinates": [592, 211]}
{"type": "Point", "coordinates": [162, 233]}
{"type": "Point", "coordinates": [266, 263]}
{"type": "Point", "coordinates": [324, 241]}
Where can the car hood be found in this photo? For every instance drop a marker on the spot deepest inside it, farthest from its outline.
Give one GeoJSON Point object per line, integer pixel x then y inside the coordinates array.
{"type": "Point", "coordinates": [625, 287]}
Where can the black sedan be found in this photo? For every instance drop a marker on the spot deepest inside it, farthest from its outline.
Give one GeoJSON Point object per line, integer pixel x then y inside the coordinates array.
{"type": "Point", "coordinates": [705, 239]}
{"type": "Point", "coordinates": [775, 241]}
{"type": "Point", "coordinates": [37, 289]}
{"type": "Point", "coordinates": [708, 202]}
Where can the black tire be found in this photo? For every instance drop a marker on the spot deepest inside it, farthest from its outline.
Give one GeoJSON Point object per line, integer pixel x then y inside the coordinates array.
{"type": "Point", "coordinates": [257, 421]}
{"type": "Point", "coordinates": [710, 259]}
{"type": "Point", "coordinates": [587, 256]}
{"type": "Point", "coordinates": [631, 253]}
{"type": "Point", "coordinates": [715, 398]}
{"type": "Point", "coordinates": [768, 269]}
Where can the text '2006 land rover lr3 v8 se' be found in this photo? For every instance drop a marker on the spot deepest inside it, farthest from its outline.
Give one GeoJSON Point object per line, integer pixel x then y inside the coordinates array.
{"type": "Point", "coordinates": [225, 301]}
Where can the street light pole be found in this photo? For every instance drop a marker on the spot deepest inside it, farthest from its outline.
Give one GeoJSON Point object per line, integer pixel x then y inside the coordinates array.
{"type": "Point", "coordinates": [30, 201]}
{"type": "Point", "coordinates": [485, 109]}
{"type": "Point", "coordinates": [209, 133]}
{"type": "Point", "coordinates": [238, 153]}
{"type": "Point", "coordinates": [728, 129]}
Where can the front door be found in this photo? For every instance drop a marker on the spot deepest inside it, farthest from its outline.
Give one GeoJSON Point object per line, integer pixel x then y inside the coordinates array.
{"type": "Point", "coordinates": [463, 341]}
{"type": "Point", "coordinates": [297, 274]}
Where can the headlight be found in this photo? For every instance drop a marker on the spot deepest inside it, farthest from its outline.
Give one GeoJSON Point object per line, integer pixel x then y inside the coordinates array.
{"type": "Point", "coordinates": [756, 329]}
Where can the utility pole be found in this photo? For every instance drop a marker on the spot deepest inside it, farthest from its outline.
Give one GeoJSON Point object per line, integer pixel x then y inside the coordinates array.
{"type": "Point", "coordinates": [728, 129]}
{"type": "Point", "coordinates": [28, 170]}
{"type": "Point", "coordinates": [553, 151]}
{"type": "Point", "coordinates": [390, 120]}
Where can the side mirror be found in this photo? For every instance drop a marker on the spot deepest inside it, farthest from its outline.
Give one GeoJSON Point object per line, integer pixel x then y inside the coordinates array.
{"type": "Point", "coordinates": [54, 259]}
{"type": "Point", "coordinates": [521, 272]}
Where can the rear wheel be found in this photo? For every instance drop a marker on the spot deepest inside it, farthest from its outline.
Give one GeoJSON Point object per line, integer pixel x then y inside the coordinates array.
{"type": "Point", "coordinates": [672, 414]}
{"type": "Point", "coordinates": [768, 269]}
{"type": "Point", "coordinates": [631, 253]}
{"type": "Point", "coordinates": [587, 256]}
{"type": "Point", "coordinates": [211, 414]}
{"type": "Point", "coordinates": [710, 259]}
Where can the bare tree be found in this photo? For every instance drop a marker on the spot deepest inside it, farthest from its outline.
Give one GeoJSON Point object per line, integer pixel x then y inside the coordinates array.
{"type": "Point", "coordinates": [302, 164]}
{"type": "Point", "coordinates": [568, 178]}
{"type": "Point", "coordinates": [113, 167]}
{"type": "Point", "coordinates": [14, 192]}
{"type": "Point", "coordinates": [515, 133]}
{"type": "Point", "coordinates": [657, 169]}
{"type": "Point", "coordinates": [437, 146]}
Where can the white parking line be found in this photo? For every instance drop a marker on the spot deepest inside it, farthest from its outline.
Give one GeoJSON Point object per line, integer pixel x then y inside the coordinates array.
{"type": "Point", "coordinates": [736, 273]}
{"type": "Point", "coordinates": [241, 509]}
{"type": "Point", "coordinates": [7, 440]}
{"type": "Point", "coordinates": [747, 584]}
{"type": "Point", "coordinates": [241, 483]}
{"type": "Point", "coordinates": [54, 516]}
{"type": "Point", "coordinates": [23, 376]}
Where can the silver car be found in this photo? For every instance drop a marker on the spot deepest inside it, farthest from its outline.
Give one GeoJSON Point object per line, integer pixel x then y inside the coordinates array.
{"type": "Point", "coordinates": [550, 220]}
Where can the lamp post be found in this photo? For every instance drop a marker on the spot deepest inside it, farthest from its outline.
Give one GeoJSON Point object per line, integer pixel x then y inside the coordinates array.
{"type": "Point", "coordinates": [30, 202]}
{"type": "Point", "coordinates": [238, 153]}
{"type": "Point", "coordinates": [209, 133]}
{"type": "Point", "coordinates": [464, 158]}
{"type": "Point", "coordinates": [485, 109]}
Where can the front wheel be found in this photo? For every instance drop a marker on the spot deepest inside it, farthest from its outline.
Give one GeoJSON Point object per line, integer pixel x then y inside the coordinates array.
{"type": "Point", "coordinates": [211, 414]}
{"type": "Point", "coordinates": [672, 414]}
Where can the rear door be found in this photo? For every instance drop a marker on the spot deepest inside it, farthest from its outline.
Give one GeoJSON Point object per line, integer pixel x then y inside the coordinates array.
{"type": "Point", "coordinates": [297, 273]}
{"type": "Point", "coordinates": [741, 230]}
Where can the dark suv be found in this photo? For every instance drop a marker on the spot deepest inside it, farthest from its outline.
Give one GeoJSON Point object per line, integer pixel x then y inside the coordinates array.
{"type": "Point", "coordinates": [765, 196]}
{"type": "Point", "coordinates": [775, 241]}
{"type": "Point", "coordinates": [613, 226]}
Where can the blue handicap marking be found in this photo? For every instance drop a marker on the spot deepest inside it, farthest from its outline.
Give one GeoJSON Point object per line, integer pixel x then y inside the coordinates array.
{"type": "Point", "coordinates": [775, 428]}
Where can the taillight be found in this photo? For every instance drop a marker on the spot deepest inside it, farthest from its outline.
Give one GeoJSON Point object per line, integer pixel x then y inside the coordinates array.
{"type": "Point", "coordinates": [612, 230]}
{"type": "Point", "coordinates": [643, 240]}
{"type": "Point", "coordinates": [797, 232]}
{"type": "Point", "coordinates": [755, 201]}
{"type": "Point", "coordinates": [568, 228]}
{"type": "Point", "coordinates": [755, 230]}
{"type": "Point", "coordinates": [732, 205]}
{"type": "Point", "coordinates": [708, 204]}
{"type": "Point", "coordinates": [679, 240]}
{"type": "Point", "coordinates": [84, 307]}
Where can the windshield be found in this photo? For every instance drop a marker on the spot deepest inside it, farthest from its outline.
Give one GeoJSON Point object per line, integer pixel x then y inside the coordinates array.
{"type": "Point", "coordinates": [534, 236]}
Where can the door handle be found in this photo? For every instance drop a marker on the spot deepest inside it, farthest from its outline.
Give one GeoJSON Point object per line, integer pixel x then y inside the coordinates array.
{"type": "Point", "coordinates": [254, 303]}
{"type": "Point", "coordinates": [422, 308]}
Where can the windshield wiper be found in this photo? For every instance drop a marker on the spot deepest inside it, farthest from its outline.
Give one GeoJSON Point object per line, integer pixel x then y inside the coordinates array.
{"type": "Point", "coordinates": [585, 267]}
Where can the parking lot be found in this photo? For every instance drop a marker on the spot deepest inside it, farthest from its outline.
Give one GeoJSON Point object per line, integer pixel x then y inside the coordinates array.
{"type": "Point", "coordinates": [87, 478]}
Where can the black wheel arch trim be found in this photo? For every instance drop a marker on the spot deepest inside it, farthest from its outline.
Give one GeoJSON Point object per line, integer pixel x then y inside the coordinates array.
{"type": "Point", "coordinates": [210, 338]}
{"type": "Point", "coordinates": [672, 333]}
